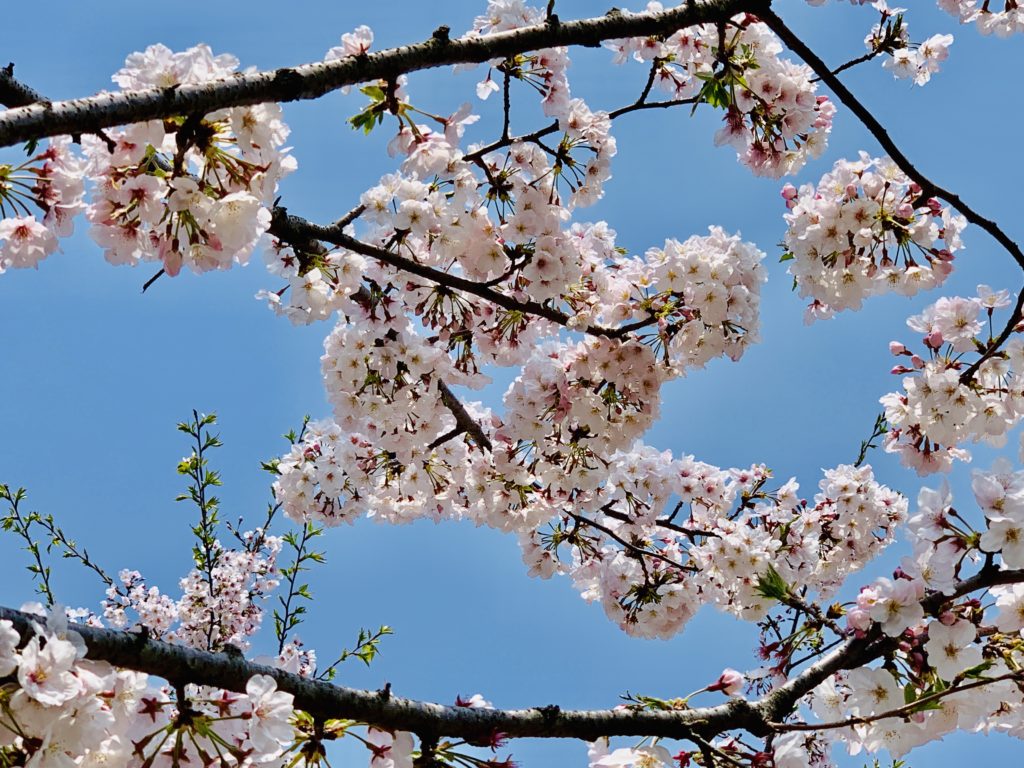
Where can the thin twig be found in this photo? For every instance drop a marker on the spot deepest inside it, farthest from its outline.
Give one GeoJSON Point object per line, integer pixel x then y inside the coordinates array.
{"type": "Point", "coordinates": [903, 711]}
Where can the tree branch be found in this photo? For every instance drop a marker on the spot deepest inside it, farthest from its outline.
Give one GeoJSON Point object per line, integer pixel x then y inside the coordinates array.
{"type": "Point", "coordinates": [311, 81]}
{"type": "Point", "coordinates": [323, 700]}
{"type": "Point", "coordinates": [14, 93]}
{"type": "Point", "coordinates": [635, 550]}
{"type": "Point", "coordinates": [905, 711]}
{"type": "Point", "coordinates": [464, 422]}
{"type": "Point", "coordinates": [294, 229]}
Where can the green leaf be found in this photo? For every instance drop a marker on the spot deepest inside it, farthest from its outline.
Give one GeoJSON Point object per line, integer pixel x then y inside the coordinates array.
{"type": "Point", "coordinates": [771, 585]}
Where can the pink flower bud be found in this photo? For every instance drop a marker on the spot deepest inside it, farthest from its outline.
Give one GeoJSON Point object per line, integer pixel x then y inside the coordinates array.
{"type": "Point", "coordinates": [933, 340]}
{"type": "Point", "coordinates": [895, 348]}
{"type": "Point", "coordinates": [917, 362]}
{"type": "Point", "coordinates": [898, 369]}
{"type": "Point", "coordinates": [729, 682]}
{"type": "Point", "coordinates": [789, 192]}
{"type": "Point", "coordinates": [858, 619]}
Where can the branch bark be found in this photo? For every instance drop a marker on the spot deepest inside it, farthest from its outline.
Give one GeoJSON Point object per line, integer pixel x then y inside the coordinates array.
{"type": "Point", "coordinates": [179, 664]}
{"type": "Point", "coordinates": [311, 81]}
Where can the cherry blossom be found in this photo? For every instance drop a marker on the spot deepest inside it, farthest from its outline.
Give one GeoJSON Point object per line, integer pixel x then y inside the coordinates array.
{"type": "Point", "coordinates": [864, 231]}
{"type": "Point", "coordinates": [471, 257]}
{"type": "Point", "coordinates": [937, 411]}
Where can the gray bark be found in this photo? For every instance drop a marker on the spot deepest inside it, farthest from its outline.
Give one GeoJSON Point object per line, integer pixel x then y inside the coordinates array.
{"type": "Point", "coordinates": [310, 81]}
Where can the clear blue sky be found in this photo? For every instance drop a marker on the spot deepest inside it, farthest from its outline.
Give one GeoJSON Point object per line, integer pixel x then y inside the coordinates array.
{"type": "Point", "coordinates": [94, 375]}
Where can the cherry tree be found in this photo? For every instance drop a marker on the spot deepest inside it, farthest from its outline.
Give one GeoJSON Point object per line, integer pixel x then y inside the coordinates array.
{"type": "Point", "coordinates": [470, 259]}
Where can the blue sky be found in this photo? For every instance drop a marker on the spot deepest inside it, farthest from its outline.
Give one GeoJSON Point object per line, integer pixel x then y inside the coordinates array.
{"type": "Point", "coordinates": [94, 375]}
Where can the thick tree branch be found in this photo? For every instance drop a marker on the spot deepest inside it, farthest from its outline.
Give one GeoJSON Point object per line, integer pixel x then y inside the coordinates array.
{"type": "Point", "coordinates": [311, 81]}
{"type": "Point", "coordinates": [179, 663]}
{"type": "Point", "coordinates": [464, 422]}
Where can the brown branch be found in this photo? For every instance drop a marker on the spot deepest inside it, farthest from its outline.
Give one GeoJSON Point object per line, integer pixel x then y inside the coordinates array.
{"type": "Point", "coordinates": [311, 81]}
{"type": "Point", "coordinates": [995, 344]}
{"type": "Point", "coordinates": [464, 422]}
{"type": "Point", "coordinates": [136, 651]}
{"type": "Point", "coordinates": [637, 551]}
{"type": "Point", "coordinates": [288, 227]}
{"type": "Point", "coordinates": [853, 63]}
{"type": "Point", "coordinates": [323, 700]}
{"type": "Point", "coordinates": [348, 218]}
{"type": "Point", "coordinates": [660, 522]}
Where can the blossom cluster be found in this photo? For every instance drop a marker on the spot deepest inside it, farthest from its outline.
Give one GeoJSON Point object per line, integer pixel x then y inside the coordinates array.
{"type": "Point", "coordinates": [986, 15]}
{"type": "Point", "coordinates": [576, 499]}
{"type": "Point", "coordinates": [917, 63]}
{"type": "Point", "coordinates": [773, 117]}
{"type": "Point", "coordinates": [69, 712]}
{"type": "Point", "coordinates": [50, 183]}
{"type": "Point", "coordinates": [951, 661]}
{"type": "Point", "coordinates": [965, 643]}
{"type": "Point", "coordinates": [865, 230]}
{"type": "Point", "coordinates": [545, 70]}
{"type": "Point", "coordinates": [191, 192]}
{"type": "Point", "coordinates": [938, 410]}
